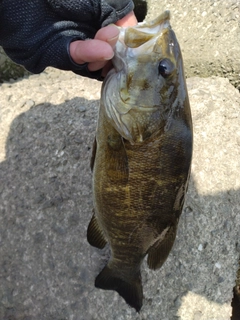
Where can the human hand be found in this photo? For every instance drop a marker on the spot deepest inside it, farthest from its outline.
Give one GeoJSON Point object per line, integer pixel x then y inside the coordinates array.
{"type": "Point", "coordinates": [98, 52]}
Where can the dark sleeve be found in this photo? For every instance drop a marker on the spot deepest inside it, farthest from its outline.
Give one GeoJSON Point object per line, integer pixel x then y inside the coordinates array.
{"type": "Point", "coordinates": [37, 33]}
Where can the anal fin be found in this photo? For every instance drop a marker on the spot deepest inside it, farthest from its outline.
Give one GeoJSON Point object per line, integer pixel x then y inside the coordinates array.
{"type": "Point", "coordinates": [159, 251]}
{"type": "Point", "coordinates": [95, 235]}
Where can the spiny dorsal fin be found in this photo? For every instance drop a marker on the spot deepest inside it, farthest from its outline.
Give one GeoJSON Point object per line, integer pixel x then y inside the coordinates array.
{"type": "Point", "coordinates": [95, 235]}
{"type": "Point", "coordinates": [131, 291]}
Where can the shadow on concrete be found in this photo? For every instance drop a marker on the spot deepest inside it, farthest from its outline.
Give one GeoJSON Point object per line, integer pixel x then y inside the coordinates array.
{"type": "Point", "coordinates": [47, 268]}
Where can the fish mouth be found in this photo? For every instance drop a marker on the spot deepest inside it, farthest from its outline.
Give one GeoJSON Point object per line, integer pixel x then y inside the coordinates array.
{"type": "Point", "coordinates": [134, 37]}
{"type": "Point", "coordinates": [140, 38]}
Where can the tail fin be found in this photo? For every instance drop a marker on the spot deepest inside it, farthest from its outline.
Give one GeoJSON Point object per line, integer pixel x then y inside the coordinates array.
{"type": "Point", "coordinates": [131, 291]}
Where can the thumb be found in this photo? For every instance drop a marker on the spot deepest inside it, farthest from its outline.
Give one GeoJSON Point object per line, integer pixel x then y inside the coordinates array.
{"type": "Point", "coordinates": [82, 51]}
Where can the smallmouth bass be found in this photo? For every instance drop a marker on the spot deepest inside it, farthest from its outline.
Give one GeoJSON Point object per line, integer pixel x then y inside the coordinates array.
{"type": "Point", "coordinates": [141, 157]}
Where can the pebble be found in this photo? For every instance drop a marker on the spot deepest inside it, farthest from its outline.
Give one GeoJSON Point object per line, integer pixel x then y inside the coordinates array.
{"type": "Point", "coordinates": [218, 265]}
{"type": "Point", "coordinates": [29, 104]}
{"type": "Point", "coordinates": [82, 109]}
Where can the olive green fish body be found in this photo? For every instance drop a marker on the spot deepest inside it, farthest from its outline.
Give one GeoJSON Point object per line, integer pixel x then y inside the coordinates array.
{"type": "Point", "coordinates": [141, 160]}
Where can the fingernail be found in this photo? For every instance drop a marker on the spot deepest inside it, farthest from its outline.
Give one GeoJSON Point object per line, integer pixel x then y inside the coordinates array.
{"type": "Point", "coordinates": [115, 26]}
{"type": "Point", "coordinates": [112, 39]}
{"type": "Point", "coordinates": [116, 37]}
{"type": "Point", "coordinates": [109, 58]}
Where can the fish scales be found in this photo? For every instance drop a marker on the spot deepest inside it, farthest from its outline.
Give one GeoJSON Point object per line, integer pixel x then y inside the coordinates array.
{"type": "Point", "coordinates": [141, 157]}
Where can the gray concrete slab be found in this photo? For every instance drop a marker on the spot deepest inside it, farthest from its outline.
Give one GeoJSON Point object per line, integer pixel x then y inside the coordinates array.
{"type": "Point", "coordinates": [47, 268]}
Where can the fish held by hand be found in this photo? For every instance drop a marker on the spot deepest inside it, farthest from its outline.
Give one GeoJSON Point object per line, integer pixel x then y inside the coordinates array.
{"type": "Point", "coordinates": [141, 157]}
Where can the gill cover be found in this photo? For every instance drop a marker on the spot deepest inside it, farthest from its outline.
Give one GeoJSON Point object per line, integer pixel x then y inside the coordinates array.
{"type": "Point", "coordinates": [143, 79]}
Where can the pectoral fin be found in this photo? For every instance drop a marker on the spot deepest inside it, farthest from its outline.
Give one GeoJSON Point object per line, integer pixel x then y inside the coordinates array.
{"type": "Point", "coordinates": [158, 253]}
{"type": "Point", "coordinates": [95, 235]}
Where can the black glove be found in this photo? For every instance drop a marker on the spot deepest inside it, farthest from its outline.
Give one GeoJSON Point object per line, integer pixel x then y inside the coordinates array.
{"type": "Point", "coordinates": [37, 33]}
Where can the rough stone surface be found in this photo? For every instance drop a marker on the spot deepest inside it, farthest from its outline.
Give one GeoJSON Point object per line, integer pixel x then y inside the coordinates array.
{"type": "Point", "coordinates": [47, 268]}
{"type": "Point", "coordinates": [208, 31]}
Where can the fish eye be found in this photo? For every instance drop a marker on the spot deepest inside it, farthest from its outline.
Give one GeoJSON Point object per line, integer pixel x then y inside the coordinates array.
{"type": "Point", "coordinates": [165, 68]}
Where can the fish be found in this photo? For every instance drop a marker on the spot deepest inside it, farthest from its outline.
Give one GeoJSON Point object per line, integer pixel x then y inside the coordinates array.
{"type": "Point", "coordinates": [141, 159]}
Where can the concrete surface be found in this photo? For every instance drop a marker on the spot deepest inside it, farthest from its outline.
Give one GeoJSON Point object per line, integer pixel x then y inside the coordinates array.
{"type": "Point", "coordinates": [47, 268]}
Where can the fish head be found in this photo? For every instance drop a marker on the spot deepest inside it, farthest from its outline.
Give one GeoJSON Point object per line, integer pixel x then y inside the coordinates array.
{"type": "Point", "coordinates": [147, 83]}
